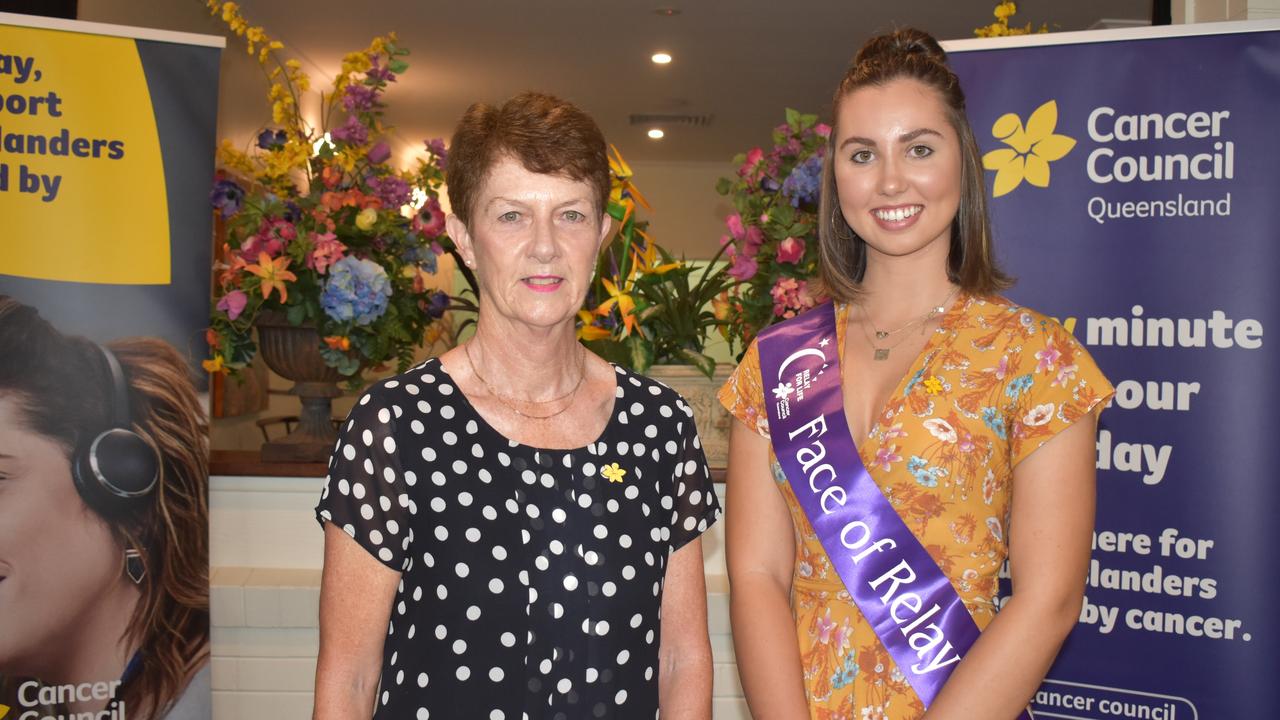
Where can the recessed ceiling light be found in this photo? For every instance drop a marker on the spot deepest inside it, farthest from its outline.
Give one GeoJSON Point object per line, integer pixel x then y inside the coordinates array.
{"type": "Point", "coordinates": [656, 133]}
{"type": "Point", "coordinates": [661, 58]}
{"type": "Point", "coordinates": [666, 11]}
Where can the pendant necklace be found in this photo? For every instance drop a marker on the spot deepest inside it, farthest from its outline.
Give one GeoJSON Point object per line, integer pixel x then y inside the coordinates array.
{"type": "Point", "coordinates": [882, 353]}
{"type": "Point", "coordinates": [508, 401]}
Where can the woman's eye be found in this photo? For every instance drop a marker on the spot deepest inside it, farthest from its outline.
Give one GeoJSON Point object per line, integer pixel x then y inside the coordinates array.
{"type": "Point", "coordinates": [509, 216]}
{"type": "Point", "coordinates": [574, 216]}
{"type": "Point", "coordinates": [862, 156]}
{"type": "Point", "coordinates": [920, 151]}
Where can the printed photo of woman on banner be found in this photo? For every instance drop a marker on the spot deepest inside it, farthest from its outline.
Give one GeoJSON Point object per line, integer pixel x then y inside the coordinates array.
{"type": "Point", "coordinates": [104, 592]}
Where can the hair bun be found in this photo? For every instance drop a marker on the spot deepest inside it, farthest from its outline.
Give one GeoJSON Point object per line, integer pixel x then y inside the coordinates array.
{"type": "Point", "coordinates": [900, 45]}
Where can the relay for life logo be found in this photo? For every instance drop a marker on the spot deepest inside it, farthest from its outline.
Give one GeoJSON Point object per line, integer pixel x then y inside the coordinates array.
{"type": "Point", "coordinates": [1030, 149]}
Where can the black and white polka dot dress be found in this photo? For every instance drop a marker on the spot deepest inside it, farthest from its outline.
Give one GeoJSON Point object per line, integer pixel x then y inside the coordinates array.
{"type": "Point", "coordinates": [531, 579]}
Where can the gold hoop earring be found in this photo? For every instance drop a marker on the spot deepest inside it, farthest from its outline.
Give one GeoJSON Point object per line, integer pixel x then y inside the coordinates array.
{"type": "Point", "coordinates": [835, 228]}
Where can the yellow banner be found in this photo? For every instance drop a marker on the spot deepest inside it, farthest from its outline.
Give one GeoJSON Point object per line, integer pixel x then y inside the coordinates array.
{"type": "Point", "coordinates": [82, 187]}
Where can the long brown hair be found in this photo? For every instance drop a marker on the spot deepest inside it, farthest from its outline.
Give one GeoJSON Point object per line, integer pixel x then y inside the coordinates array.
{"type": "Point", "coordinates": [971, 264]}
{"type": "Point", "coordinates": [62, 385]}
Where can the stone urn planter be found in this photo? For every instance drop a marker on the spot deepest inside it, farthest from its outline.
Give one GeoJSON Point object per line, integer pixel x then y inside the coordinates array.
{"type": "Point", "coordinates": [712, 419]}
{"type": "Point", "coordinates": [293, 353]}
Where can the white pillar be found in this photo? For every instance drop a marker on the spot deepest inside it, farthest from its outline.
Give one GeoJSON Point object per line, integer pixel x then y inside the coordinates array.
{"type": "Point", "coordinates": [1198, 11]}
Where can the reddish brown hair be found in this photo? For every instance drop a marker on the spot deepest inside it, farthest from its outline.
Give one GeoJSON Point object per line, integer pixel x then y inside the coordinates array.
{"type": "Point", "coordinates": [914, 54]}
{"type": "Point", "coordinates": [546, 134]}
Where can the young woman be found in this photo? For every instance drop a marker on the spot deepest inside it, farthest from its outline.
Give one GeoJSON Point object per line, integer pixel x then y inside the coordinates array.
{"type": "Point", "coordinates": [959, 434]}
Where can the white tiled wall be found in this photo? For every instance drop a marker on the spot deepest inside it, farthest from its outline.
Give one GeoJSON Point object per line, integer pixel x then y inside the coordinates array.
{"type": "Point", "coordinates": [266, 552]}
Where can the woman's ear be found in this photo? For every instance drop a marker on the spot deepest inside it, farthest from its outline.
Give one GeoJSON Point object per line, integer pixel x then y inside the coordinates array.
{"type": "Point", "coordinates": [606, 225]}
{"type": "Point", "coordinates": [461, 239]}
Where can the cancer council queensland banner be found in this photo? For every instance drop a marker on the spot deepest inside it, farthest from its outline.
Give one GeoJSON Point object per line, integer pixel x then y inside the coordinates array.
{"type": "Point", "coordinates": [106, 154]}
{"type": "Point", "coordinates": [1136, 184]}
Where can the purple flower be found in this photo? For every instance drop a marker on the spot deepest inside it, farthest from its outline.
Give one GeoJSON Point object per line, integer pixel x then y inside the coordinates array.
{"type": "Point", "coordinates": [356, 290]}
{"type": "Point", "coordinates": [755, 238]}
{"type": "Point", "coordinates": [439, 303]}
{"type": "Point", "coordinates": [233, 303]}
{"type": "Point", "coordinates": [226, 197]}
{"type": "Point", "coordinates": [379, 153]}
{"type": "Point", "coordinates": [430, 219]}
{"type": "Point", "coordinates": [803, 184]}
{"type": "Point", "coordinates": [353, 132]}
{"type": "Point", "coordinates": [360, 98]}
{"type": "Point", "coordinates": [436, 147]}
{"type": "Point", "coordinates": [391, 190]}
{"type": "Point", "coordinates": [272, 139]}
{"type": "Point", "coordinates": [743, 267]}
{"type": "Point", "coordinates": [379, 73]}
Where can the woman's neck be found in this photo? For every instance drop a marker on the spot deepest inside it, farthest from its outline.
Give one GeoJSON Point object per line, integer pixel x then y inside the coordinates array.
{"type": "Point", "coordinates": [899, 289]}
{"type": "Point", "coordinates": [525, 363]}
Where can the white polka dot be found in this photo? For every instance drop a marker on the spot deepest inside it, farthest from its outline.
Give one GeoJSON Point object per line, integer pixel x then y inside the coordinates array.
{"type": "Point", "coordinates": [592, 674]}
{"type": "Point", "coordinates": [621, 697]}
{"type": "Point", "coordinates": [423, 714]}
{"type": "Point", "coordinates": [623, 657]}
{"type": "Point", "coordinates": [496, 675]}
{"type": "Point", "coordinates": [473, 613]}
{"type": "Point", "coordinates": [459, 467]}
{"type": "Point", "coordinates": [508, 639]}
{"type": "Point", "coordinates": [637, 408]}
{"type": "Point", "coordinates": [358, 490]}
{"type": "Point", "coordinates": [636, 620]}
{"type": "Point", "coordinates": [446, 389]}
{"type": "Point", "coordinates": [584, 501]}
{"type": "Point", "coordinates": [344, 487]}
{"type": "Point", "coordinates": [447, 412]}
{"type": "Point", "coordinates": [385, 555]}
{"type": "Point", "coordinates": [438, 504]}
{"type": "Point", "coordinates": [632, 492]}
{"type": "Point", "coordinates": [375, 536]}
{"type": "Point", "coordinates": [442, 592]}
{"type": "Point", "coordinates": [441, 632]}
{"type": "Point", "coordinates": [366, 437]}
{"type": "Point", "coordinates": [558, 515]}
{"type": "Point", "coordinates": [624, 540]}
{"type": "Point", "coordinates": [442, 533]}
{"type": "Point", "coordinates": [544, 667]}
{"type": "Point", "coordinates": [422, 679]}
{"type": "Point", "coordinates": [410, 479]}
{"type": "Point", "coordinates": [389, 444]}
{"type": "Point", "coordinates": [417, 427]}
{"type": "Point", "coordinates": [495, 586]}
{"type": "Point", "coordinates": [608, 588]}
{"type": "Point", "coordinates": [462, 570]}
{"type": "Point", "coordinates": [602, 627]}
{"type": "Point", "coordinates": [601, 532]}
{"type": "Point", "coordinates": [459, 647]}
{"type": "Point", "coordinates": [449, 438]}
{"type": "Point", "coordinates": [424, 407]}
{"type": "Point", "coordinates": [570, 582]}
{"type": "Point", "coordinates": [564, 686]}
{"type": "Point", "coordinates": [349, 451]}
{"type": "Point", "coordinates": [463, 672]}
{"type": "Point", "coordinates": [489, 513]}
{"type": "Point", "coordinates": [472, 427]}
{"type": "Point", "coordinates": [628, 573]}
{"type": "Point", "coordinates": [464, 499]}
{"type": "Point", "coordinates": [499, 552]}
{"type": "Point", "coordinates": [366, 511]}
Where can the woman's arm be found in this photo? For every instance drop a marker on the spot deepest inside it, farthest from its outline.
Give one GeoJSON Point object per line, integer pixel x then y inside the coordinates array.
{"type": "Point", "coordinates": [356, 593]}
{"type": "Point", "coordinates": [761, 557]}
{"type": "Point", "coordinates": [684, 652]}
{"type": "Point", "coordinates": [1050, 531]}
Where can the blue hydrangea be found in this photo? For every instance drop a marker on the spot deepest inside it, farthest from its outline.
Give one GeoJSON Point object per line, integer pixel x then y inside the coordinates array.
{"type": "Point", "coordinates": [422, 256]}
{"type": "Point", "coordinates": [356, 290]}
{"type": "Point", "coordinates": [803, 184]}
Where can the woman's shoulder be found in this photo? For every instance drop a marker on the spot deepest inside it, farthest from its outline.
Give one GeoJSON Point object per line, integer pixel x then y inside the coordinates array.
{"type": "Point", "coordinates": [636, 388]}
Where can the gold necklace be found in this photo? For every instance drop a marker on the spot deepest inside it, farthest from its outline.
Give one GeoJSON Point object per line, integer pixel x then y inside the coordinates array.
{"type": "Point", "coordinates": [882, 353]}
{"type": "Point", "coordinates": [507, 401]}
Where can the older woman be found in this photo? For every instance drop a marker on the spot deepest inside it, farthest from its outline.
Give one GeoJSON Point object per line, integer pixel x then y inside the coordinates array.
{"type": "Point", "coordinates": [512, 530]}
{"type": "Point", "coordinates": [104, 564]}
{"type": "Point", "coordinates": [897, 445]}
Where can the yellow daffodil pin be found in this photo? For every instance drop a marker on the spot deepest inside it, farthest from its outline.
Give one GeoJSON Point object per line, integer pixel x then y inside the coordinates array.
{"type": "Point", "coordinates": [613, 473]}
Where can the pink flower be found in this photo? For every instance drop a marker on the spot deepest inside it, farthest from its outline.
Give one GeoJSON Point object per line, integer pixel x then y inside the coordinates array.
{"type": "Point", "coordinates": [753, 160]}
{"type": "Point", "coordinates": [1048, 357]}
{"type": "Point", "coordinates": [327, 251]}
{"type": "Point", "coordinates": [734, 222]}
{"type": "Point", "coordinates": [825, 627]}
{"type": "Point", "coordinates": [255, 245]}
{"type": "Point", "coordinates": [822, 130]}
{"type": "Point", "coordinates": [233, 303]}
{"type": "Point", "coordinates": [755, 238]}
{"type": "Point", "coordinates": [791, 250]}
{"type": "Point", "coordinates": [885, 457]}
{"type": "Point", "coordinates": [430, 219]}
{"type": "Point", "coordinates": [790, 296]}
{"type": "Point", "coordinates": [743, 267]}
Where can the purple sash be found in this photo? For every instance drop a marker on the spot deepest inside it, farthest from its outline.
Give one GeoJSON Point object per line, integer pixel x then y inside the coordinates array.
{"type": "Point", "coordinates": [894, 581]}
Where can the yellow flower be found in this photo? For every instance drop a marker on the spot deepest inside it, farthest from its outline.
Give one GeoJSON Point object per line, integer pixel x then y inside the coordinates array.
{"type": "Point", "coordinates": [587, 331]}
{"type": "Point", "coordinates": [215, 365]}
{"type": "Point", "coordinates": [626, 307]}
{"type": "Point", "coordinates": [366, 219]}
{"type": "Point", "coordinates": [1030, 150]}
{"type": "Point", "coordinates": [613, 473]}
{"type": "Point", "coordinates": [622, 182]}
{"type": "Point", "coordinates": [932, 385]}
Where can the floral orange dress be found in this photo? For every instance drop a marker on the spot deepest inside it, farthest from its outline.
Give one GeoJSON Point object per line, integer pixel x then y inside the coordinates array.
{"type": "Point", "coordinates": [992, 384]}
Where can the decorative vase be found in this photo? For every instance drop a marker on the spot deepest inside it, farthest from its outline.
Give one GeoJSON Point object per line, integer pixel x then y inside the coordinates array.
{"type": "Point", "coordinates": [699, 392]}
{"type": "Point", "coordinates": [293, 353]}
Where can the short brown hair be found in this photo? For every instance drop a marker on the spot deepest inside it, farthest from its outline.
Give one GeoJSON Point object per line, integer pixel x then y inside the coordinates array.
{"type": "Point", "coordinates": [971, 264]}
{"type": "Point", "coordinates": [546, 134]}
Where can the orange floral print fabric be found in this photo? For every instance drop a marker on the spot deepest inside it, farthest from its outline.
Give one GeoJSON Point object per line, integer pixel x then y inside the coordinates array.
{"type": "Point", "coordinates": [993, 383]}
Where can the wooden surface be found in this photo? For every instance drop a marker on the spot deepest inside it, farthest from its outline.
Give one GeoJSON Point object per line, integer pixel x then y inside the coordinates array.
{"type": "Point", "coordinates": [249, 463]}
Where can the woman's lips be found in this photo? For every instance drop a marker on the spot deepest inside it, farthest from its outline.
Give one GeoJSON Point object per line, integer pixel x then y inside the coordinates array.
{"type": "Point", "coordinates": [543, 283]}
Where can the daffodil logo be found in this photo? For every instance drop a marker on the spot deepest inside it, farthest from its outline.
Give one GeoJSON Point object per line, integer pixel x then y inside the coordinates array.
{"type": "Point", "coordinates": [1030, 150]}
{"type": "Point", "coordinates": [4, 710]}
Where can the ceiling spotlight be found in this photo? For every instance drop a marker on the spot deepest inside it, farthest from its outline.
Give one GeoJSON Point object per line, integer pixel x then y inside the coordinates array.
{"type": "Point", "coordinates": [666, 11]}
{"type": "Point", "coordinates": [656, 133]}
{"type": "Point", "coordinates": [661, 58]}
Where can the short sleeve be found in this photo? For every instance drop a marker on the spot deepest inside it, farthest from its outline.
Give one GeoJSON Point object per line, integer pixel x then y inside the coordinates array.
{"type": "Point", "coordinates": [1057, 384]}
{"type": "Point", "coordinates": [743, 394]}
{"type": "Point", "coordinates": [693, 502]}
{"type": "Point", "coordinates": [366, 492]}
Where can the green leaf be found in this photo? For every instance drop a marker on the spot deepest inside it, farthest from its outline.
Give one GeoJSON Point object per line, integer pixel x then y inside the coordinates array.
{"type": "Point", "coordinates": [296, 314]}
{"type": "Point", "coordinates": [793, 119]}
{"type": "Point", "coordinates": [397, 66]}
{"type": "Point", "coordinates": [640, 353]}
{"type": "Point", "coordinates": [699, 360]}
{"type": "Point", "coordinates": [724, 186]}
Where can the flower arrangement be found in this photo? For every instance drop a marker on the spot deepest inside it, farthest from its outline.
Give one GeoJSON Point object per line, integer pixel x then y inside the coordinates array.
{"type": "Point", "coordinates": [1001, 27]}
{"type": "Point", "coordinates": [644, 306]}
{"type": "Point", "coordinates": [772, 239]}
{"type": "Point", "coordinates": [321, 229]}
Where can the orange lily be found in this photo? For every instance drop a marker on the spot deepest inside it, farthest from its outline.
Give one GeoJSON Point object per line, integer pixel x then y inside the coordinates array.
{"type": "Point", "coordinates": [626, 307]}
{"type": "Point", "coordinates": [338, 342]}
{"type": "Point", "coordinates": [273, 274]}
{"type": "Point", "coordinates": [587, 331]}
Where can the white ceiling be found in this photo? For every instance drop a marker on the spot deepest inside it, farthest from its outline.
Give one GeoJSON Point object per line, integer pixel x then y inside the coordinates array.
{"type": "Point", "coordinates": [740, 62]}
